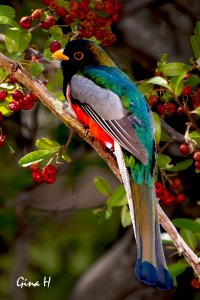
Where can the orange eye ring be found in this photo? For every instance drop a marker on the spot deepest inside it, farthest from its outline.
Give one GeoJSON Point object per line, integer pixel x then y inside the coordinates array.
{"type": "Point", "coordinates": [78, 55]}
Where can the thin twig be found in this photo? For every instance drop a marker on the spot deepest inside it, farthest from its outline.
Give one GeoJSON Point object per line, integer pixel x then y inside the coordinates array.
{"type": "Point", "coordinates": [56, 107]}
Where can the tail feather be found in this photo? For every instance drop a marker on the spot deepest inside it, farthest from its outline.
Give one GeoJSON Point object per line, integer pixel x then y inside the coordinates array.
{"type": "Point", "coordinates": [150, 267]}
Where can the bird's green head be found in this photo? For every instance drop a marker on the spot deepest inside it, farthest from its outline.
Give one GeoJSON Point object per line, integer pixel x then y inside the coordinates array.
{"type": "Point", "coordinates": [80, 53]}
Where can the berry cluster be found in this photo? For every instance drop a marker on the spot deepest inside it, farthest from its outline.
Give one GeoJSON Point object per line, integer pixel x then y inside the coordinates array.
{"type": "Point", "coordinates": [46, 174]}
{"type": "Point", "coordinates": [91, 18]}
{"type": "Point", "coordinates": [21, 101]}
{"type": "Point", "coordinates": [170, 197]}
{"type": "Point", "coordinates": [163, 108]}
{"type": "Point", "coordinates": [185, 150]}
{"type": "Point", "coordinates": [14, 100]}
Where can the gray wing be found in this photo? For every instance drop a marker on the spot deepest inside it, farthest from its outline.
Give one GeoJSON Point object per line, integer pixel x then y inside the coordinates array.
{"type": "Point", "coordinates": [105, 108]}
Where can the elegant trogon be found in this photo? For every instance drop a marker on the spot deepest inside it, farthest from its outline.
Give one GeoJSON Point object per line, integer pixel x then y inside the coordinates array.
{"type": "Point", "coordinates": [105, 100]}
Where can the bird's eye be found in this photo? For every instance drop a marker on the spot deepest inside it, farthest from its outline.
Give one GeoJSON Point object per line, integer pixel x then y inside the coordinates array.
{"type": "Point", "coordinates": [78, 55]}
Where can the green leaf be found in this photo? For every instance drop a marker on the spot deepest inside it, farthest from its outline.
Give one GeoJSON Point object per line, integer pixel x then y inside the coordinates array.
{"type": "Point", "coordinates": [4, 109]}
{"type": "Point", "coordinates": [102, 214]}
{"type": "Point", "coordinates": [118, 198]}
{"type": "Point", "coordinates": [194, 80]}
{"type": "Point", "coordinates": [35, 156]}
{"type": "Point", "coordinates": [177, 84]}
{"type": "Point", "coordinates": [194, 135]}
{"type": "Point", "coordinates": [66, 157]}
{"type": "Point", "coordinates": [56, 33]}
{"type": "Point", "coordinates": [125, 216]}
{"type": "Point", "coordinates": [183, 223]}
{"type": "Point", "coordinates": [177, 269]}
{"type": "Point", "coordinates": [183, 165]}
{"type": "Point", "coordinates": [102, 186]}
{"type": "Point", "coordinates": [7, 21]}
{"type": "Point", "coordinates": [163, 161]}
{"type": "Point", "coordinates": [47, 144]}
{"type": "Point", "coordinates": [17, 40]}
{"type": "Point", "coordinates": [164, 136]}
{"type": "Point", "coordinates": [48, 54]}
{"type": "Point", "coordinates": [157, 126]}
{"type": "Point", "coordinates": [174, 68]}
{"type": "Point", "coordinates": [189, 238]}
{"type": "Point", "coordinates": [159, 81]}
{"type": "Point", "coordinates": [196, 111]}
{"type": "Point", "coordinates": [7, 11]}
{"type": "Point", "coordinates": [35, 68]}
{"type": "Point", "coordinates": [195, 42]}
{"type": "Point", "coordinates": [108, 213]}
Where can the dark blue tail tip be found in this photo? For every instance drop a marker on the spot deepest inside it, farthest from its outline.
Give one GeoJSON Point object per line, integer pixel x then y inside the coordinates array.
{"type": "Point", "coordinates": [148, 274]}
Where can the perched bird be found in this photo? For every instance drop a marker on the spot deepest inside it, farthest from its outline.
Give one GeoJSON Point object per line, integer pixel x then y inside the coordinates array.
{"type": "Point", "coordinates": [104, 99]}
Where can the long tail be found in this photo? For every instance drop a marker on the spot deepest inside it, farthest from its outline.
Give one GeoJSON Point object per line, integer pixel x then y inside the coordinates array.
{"type": "Point", "coordinates": [150, 267]}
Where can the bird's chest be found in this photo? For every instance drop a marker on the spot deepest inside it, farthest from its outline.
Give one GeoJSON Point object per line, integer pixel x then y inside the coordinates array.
{"type": "Point", "coordinates": [97, 132]}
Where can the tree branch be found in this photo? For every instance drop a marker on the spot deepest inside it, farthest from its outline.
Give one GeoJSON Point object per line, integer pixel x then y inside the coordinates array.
{"type": "Point", "coordinates": [56, 107]}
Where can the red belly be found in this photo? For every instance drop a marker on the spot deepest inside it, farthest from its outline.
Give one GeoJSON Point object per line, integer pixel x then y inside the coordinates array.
{"type": "Point", "coordinates": [97, 132]}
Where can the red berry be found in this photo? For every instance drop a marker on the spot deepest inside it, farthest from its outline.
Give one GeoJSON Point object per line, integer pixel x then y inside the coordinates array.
{"type": "Point", "coordinates": [50, 170]}
{"type": "Point", "coordinates": [60, 11]}
{"type": "Point", "coordinates": [181, 110]}
{"type": "Point", "coordinates": [196, 155]}
{"type": "Point", "coordinates": [3, 95]}
{"type": "Point", "coordinates": [195, 283]}
{"type": "Point", "coordinates": [73, 5]}
{"type": "Point", "coordinates": [53, 4]}
{"type": "Point", "coordinates": [25, 22]}
{"type": "Point", "coordinates": [170, 107]}
{"type": "Point", "coordinates": [109, 40]}
{"type": "Point", "coordinates": [91, 15]}
{"type": "Point", "coordinates": [196, 101]}
{"type": "Point", "coordinates": [165, 194]}
{"type": "Point", "coordinates": [83, 6]}
{"type": "Point", "coordinates": [48, 22]}
{"type": "Point", "coordinates": [14, 106]}
{"type": "Point", "coordinates": [50, 179]}
{"type": "Point", "coordinates": [33, 97]}
{"type": "Point", "coordinates": [187, 90]}
{"type": "Point", "coordinates": [118, 5]}
{"type": "Point", "coordinates": [169, 200]}
{"type": "Point", "coordinates": [34, 166]}
{"type": "Point", "coordinates": [46, 2]}
{"type": "Point", "coordinates": [152, 100]}
{"type": "Point", "coordinates": [74, 14]}
{"type": "Point", "coordinates": [26, 103]}
{"type": "Point", "coordinates": [17, 95]}
{"type": "Point", "coordinates": [54, 46]}
{"type": "Point", "coordinates": [161, 109]}
{"type": "Point", "coordinates": [2, 140]}
{"type": "Point", "coordinates": [184, 149]}
{"type": "Point", "coordinates": [12, 79]}
{"type": "Point", "coordinates": [176, 184]}
{"type": "Point", "coordinates": [38, 176]}
{"type": "Point", "coordinates": [180, 198]}
{"type": "Point", "coordinates": [197, 165]}
{"type": "Point", "coordinates": [115, 18]}
{"type": "Point", "coordinates": [37, 14]}
{"type": "Point", "coordinates": [109, 7]}
{"type": "Point", "coordinates": [68, 20]}
{"type": "Point", "coordinates": [100, 34]}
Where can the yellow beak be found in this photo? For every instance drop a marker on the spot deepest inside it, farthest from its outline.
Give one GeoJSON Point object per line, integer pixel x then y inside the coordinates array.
{"type": "Point", "coordinates": [60, 55]}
